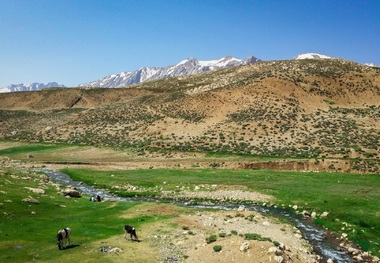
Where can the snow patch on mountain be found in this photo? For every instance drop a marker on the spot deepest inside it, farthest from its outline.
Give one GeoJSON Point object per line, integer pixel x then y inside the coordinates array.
{"type": "Point", "coordinates": [184, 67]}
{"type": "Point", "coordinates": [311, 56]}
{"type": "Point", "coordinates": [371, 65]}
{"type": "Point", "coordinates": [29, 87]}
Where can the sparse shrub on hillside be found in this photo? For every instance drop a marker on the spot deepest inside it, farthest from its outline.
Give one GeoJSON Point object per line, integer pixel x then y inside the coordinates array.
{"type": "Point", "coordinates": [211, 239]}
{"type": "Point", "coordinates": [217, 248]}
{"type": "Point", "coordinates": [187, 115]}
{"type": "Point", "coordinates": [255, 236]}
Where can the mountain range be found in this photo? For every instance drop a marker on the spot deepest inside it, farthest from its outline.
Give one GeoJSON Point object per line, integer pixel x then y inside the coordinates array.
{"type": "Point", "coordinates": [185, 67]}
{"type": "Point", "coordinates": [127, 78]}
{"type": "Point", "coordinates": [29, 86]}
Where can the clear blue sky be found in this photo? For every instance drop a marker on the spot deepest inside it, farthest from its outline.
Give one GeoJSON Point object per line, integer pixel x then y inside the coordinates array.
{"type": "Point", "coordinates": [76, 41]}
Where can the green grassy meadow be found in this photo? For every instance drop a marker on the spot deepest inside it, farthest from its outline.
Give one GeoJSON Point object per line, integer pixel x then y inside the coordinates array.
{"type": "Point", "coordinates": [348, 198]}
{"type": "Point", "coordinates": [27, 231]}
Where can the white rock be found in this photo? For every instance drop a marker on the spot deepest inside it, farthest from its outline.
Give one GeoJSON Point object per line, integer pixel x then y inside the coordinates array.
{"type": "Point", "coordinates": [278, 259]}
{"type": "Point", "coordinates": [36, 190]}
{"type": "Point", "coordinates": [31, 200]}
{"type": "Point", "coordinates": [272, 249]}
{"type": "Point", "coordinates": [241, 208]}
{"type": "Point", "coordinates": [358, 258]}
{"type": "Point", "coordinates": [353, 251]}
{"type": "Point", "coordinates": [115, 250]}
{"type": "Point", "coordinates": [324, 214]}
{"type": "Point", "coordinates": [244, 246]}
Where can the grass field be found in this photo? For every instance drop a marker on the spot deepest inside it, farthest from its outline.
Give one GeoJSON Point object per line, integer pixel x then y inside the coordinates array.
{"type": "Point", "coordinates": [28, 231]}
{"type": "Point", "coordinates": [352, 200]}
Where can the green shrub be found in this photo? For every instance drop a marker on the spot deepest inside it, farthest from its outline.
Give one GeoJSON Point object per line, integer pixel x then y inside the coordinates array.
{"type": "Point", "coordinates": [211, 239]}
{"type": "Point", "coordinates": [276, 243]}
{"type": "Point", "coordinates": [222, 234]}
{"type": "Point", "coordinates": [255, 236]}
{"type": "Point", "coordinates": [217, 248]}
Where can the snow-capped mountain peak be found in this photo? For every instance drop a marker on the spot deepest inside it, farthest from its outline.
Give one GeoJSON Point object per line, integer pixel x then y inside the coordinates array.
{"type": "Point", "coordinates": [185, 67]}
{"type": "Point", "coordinates": [311, 56]}
{"type": "Point", "coordinates": [29, 86]}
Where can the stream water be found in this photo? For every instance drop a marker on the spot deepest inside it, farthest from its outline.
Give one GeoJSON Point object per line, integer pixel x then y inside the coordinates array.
{"type": "Point", "coordinates": [314, 234]}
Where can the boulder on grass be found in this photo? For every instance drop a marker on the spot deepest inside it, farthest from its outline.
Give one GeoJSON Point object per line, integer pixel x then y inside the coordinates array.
{"type": "Point", "coordinates": [31, 200]}
{"type": "Point", "coordinates": [72, 192]}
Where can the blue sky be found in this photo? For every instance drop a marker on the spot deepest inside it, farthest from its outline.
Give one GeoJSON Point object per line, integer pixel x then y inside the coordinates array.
{"type": "Point", "coordinates": [77, 41]}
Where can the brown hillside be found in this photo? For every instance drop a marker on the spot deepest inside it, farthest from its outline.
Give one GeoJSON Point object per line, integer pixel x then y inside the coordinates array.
{"type": "Point", "coordinates": [303, 108]}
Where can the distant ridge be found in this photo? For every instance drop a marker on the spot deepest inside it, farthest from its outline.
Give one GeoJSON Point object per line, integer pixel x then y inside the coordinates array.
{"type": "Point", "coordinates": [185, 67]}
{"type": "Point", "coordinates": [29, 86]}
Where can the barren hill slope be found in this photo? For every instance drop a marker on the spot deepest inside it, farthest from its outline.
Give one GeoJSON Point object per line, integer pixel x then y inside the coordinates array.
{"type": "Point", "coordinates": [301, 108]}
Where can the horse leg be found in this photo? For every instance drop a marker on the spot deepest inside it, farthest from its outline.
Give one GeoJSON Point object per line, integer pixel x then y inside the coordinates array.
{"type": "Point", "coordinates": [133, 233]}
{"type": "Point", "coordinates": [60, 246]}
{"type": "Point", "coordinates": [59, 239]}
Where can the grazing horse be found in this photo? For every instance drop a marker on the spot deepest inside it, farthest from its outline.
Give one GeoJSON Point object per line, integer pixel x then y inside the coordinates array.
{"type": "Point", "coordinates": [130, 230]}
{"type": "Point", "coordinates": [63, 234]}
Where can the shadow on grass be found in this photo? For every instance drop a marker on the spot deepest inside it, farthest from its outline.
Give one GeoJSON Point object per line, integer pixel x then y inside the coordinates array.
{"type": "Point", "coordinates": [71, 246]}
{"type": "Point", "coordinates": [134, 240]}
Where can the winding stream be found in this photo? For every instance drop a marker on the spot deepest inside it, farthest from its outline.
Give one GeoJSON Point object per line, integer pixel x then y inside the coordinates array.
{"type": "Point", "coordinates": [314, 234]}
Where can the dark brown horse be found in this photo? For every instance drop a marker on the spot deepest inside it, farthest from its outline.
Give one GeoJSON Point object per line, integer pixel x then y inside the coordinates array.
{"type": "Point", "coordinates": [130, 230]}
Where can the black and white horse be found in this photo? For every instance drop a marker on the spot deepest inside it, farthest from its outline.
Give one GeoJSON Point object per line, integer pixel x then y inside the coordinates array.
{"type": "Point", "coordinates": [130, 230]}
{"type": "Point", "coordinates": [63, 234]}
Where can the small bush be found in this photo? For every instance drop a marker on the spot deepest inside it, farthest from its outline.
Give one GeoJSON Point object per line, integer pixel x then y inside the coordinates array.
{"type": "Point", "coordinates": [222, 234]}
{"type": "Point", "coordinates": [276, 243]}
{"type": "Point", "coordinates": [211, 239]}
{"type": "Point", "coordinates": [255, 236]}
{"type": "Point", "coordinates": [217, 248]}
{"type": "Point", "coordinates": [250, 218]}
